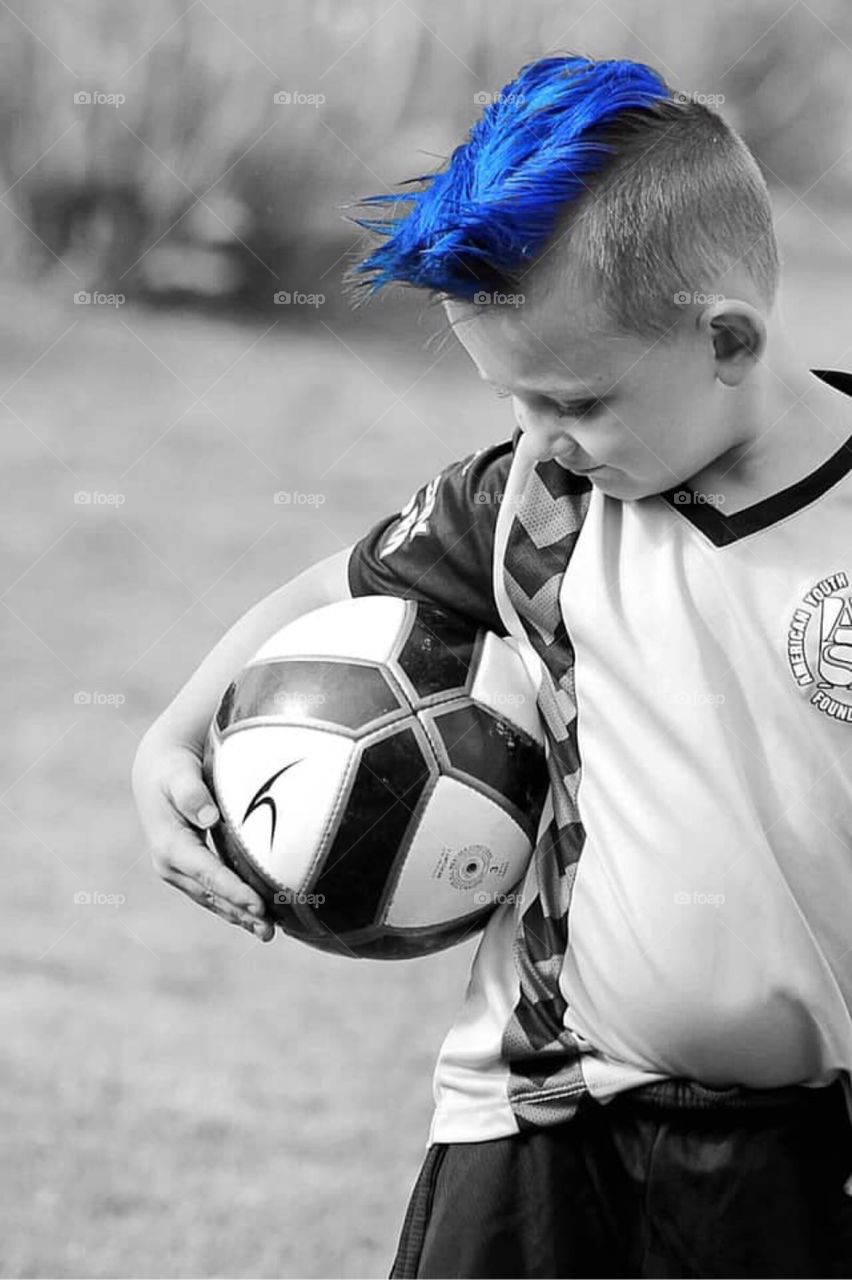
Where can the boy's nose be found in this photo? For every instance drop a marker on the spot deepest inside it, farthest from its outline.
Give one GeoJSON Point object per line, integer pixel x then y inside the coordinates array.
{"type": "Point", "coordinates": [547, 441]}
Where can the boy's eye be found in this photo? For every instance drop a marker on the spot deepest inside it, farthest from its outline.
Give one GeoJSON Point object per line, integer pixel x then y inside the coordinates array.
{"type": "Point", "coordinates": [575, 409]}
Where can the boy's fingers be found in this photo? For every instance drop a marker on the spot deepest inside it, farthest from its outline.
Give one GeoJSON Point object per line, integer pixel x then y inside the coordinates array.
{"type": "Point", "coordinates": [191, 797]}
{"type": "Point", "coordinates": [262, 929]}
{"type": "Point", "coordinates": [189, 858]}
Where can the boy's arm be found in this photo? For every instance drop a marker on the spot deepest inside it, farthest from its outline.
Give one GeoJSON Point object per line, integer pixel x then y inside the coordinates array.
{"type": "Point", "coordinates": [171, 798]}
{"type": "Point", "coordinates": [440, 546]}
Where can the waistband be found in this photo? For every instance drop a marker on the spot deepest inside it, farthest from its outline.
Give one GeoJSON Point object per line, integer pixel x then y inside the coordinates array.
{"type": "Point", "coordinates": [677, 1094]}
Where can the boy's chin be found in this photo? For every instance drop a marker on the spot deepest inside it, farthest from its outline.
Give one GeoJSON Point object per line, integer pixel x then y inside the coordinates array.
{"type": "Point", "coordinates": [615, 484]}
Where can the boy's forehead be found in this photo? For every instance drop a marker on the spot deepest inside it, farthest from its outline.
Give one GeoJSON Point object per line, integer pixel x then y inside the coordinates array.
{"type": "Point", "coordinates": [538, 348]}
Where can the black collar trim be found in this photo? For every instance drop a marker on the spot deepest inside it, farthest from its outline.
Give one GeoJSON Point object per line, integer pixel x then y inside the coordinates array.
{"type": "Point", "coordinates": [723, 530]}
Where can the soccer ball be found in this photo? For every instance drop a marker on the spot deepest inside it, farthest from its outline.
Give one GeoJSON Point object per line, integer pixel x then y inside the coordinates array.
{"type": "Point", "coordinates": [380, 771]}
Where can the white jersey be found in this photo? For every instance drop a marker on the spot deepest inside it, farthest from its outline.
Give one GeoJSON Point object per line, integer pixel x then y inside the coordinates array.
{"type": "Point", "coordinates": [688, 908]}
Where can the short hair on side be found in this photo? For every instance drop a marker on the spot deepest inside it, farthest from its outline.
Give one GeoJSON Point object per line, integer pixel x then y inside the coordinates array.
{"type": "Point", "coordinates": [681, 203]}
{"type": "Point", "coordinates": [651, 194]}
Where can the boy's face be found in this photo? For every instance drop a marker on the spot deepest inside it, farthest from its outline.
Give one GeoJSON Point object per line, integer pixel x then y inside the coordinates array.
{"type": "Point", "coordinates": [646, 414]}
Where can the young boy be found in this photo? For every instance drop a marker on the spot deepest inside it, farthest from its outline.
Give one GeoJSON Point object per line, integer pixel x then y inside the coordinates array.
{"type": "Point", "coordinates": [650, 1072]}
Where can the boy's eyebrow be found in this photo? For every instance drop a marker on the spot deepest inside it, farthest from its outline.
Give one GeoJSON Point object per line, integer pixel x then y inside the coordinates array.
{"type": "Point", "coordinates": [582, 393]}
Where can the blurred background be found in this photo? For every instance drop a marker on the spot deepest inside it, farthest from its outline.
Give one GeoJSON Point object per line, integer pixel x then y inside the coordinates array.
{"type": "Point", "coordinates": [175, 350]}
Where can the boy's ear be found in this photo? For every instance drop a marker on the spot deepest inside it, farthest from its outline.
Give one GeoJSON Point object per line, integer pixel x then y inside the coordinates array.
{"type": "Point", "coordinates": [738, 333]}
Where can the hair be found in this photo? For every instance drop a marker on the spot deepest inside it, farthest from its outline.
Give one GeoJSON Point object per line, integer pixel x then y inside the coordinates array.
{"type": "Point", "coordinates": [595, 166]}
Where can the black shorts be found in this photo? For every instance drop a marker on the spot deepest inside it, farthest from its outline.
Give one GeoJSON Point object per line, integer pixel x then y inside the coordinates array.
{"type": "Point", "coordinates": [673, 1179]}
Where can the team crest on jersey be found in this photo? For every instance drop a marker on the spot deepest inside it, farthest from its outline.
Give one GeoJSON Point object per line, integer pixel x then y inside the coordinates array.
{"type": "Point", "coordinates": [819, 646]}
{"type": "Point", "coordinates": [413, 519]}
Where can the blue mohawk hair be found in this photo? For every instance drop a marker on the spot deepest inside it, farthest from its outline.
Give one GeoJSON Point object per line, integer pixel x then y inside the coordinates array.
{"type": "Point", "coordinates": [493, 208]}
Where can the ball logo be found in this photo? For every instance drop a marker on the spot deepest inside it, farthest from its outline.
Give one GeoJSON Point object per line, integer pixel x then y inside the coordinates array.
{"type": "Point", "coordinates": [819, 646]}
{"type": "Point", "coordinates": [468, 868]}
{"type": "Point", "coordinates": [262, 797]}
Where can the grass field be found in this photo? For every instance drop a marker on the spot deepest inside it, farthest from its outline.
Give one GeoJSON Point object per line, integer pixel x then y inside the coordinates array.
{"type": "Point", "coordinates": [175, 1099]}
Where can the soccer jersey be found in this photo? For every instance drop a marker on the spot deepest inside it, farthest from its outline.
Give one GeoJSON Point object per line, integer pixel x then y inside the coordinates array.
{"type": "Point", "coordinates": [688, 907]}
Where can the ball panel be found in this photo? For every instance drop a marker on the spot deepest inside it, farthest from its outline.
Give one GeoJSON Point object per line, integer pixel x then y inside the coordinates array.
{"type": "Point", "coordinates": [372, 833]}
{"type": "Point", "coordinates": [366, 627]}
{"type": "Point", "coordinates": [474, 744]}
{"type": "Point", "coordinates": [436, 657]}
{"type": "Point", "coordinates": [316, 691]}
{"type": "Point", "coordinates": [466, 850]}
{"type": "Point", "coordinates": [278, 787]}
{"type": "Point", "coordinates": [501, 681]}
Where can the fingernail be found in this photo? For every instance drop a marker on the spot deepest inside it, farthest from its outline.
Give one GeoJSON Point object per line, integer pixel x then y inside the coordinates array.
{"type": "Point", "coordinates": [256, 908]}
{"type": "Point", "coordinates": [207, 815]}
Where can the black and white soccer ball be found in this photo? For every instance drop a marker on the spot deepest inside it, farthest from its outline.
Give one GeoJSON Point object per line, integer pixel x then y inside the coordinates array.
{"type": "Point", "coordinates": [380, 771]}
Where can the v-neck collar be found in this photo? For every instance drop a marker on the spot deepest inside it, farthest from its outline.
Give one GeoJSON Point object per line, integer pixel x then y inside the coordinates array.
{"type": "Point", "coordinates": [722, 530]}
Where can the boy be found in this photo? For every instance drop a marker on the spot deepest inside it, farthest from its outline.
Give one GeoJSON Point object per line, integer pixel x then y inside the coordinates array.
{"type": "Point", "coordinates": [650, 1072]}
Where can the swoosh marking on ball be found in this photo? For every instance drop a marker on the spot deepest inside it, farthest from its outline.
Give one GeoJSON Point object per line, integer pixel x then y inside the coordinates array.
{"type": "Point", "coordinates": [260, 798]}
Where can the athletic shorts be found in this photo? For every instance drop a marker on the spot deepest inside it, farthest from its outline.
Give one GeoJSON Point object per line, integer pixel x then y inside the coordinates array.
{"type": "Point", "coordinates": [672, 1179]}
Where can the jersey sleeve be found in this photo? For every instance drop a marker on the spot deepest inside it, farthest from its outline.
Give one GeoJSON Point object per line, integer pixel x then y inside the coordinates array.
{"type": "Point", "coordinates": [440, 547]}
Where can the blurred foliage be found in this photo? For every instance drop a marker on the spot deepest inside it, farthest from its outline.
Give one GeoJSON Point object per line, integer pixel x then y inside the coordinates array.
{"type": "Point", "coordinates": [200, 184]}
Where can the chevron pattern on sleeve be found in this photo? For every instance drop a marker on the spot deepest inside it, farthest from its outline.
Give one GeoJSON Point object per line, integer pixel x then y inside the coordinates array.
{"type": "Point", "coordinates": [545, 1079]}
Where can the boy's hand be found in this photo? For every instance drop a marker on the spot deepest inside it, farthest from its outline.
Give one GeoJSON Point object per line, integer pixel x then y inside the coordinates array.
{"type": "Point", "coordinates": [176, 808]}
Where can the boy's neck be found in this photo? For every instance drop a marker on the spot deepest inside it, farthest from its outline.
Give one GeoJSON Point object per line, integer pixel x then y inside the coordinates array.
{"type": "Point", "coordinates": [800, 422]}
